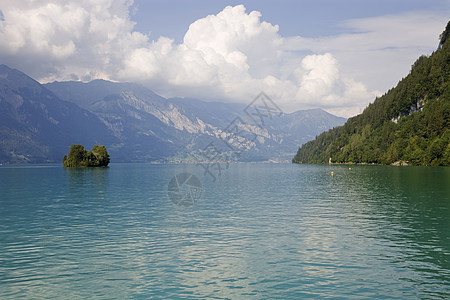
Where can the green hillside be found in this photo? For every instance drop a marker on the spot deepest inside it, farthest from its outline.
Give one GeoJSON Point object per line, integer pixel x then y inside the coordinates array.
{"type": "Point", "coordinates": [410, 123]}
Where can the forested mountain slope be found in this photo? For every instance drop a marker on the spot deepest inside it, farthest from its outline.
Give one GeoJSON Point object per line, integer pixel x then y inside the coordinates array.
{"type": "Point", "coordinates": [410, 123]}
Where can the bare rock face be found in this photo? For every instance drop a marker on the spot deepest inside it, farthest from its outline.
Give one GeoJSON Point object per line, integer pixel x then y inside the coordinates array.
{"type": "Point", "coordinates": [400, 163]}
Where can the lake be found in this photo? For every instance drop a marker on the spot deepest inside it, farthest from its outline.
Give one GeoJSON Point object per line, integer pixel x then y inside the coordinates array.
{"type": "Point", "coordinates": [257, 231]}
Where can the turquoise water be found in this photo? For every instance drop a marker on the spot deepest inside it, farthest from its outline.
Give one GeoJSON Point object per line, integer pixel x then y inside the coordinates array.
{"type": "Point", "coordinates": [259, 231]}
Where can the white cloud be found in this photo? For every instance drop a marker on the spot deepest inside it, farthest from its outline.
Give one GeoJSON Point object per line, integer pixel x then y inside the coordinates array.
{"type": "Point", "coordinates": [66, 39]}
{"type": "Point", "coordinates": [234, 55]}
{"type": "Point", "coordinates": [380, 50]}
{"type": "Point", "coordinates": [321, 75]}
{"type": "Point", "coordinates": [230, 56]}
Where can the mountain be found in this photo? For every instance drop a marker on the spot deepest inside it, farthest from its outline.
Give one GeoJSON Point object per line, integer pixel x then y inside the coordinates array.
{"type": "Point", "coordinates": [86, 94]}
{"type": "Point", "coordinates": [182, 128]}
{"type": "Point", "coordinates": [410, 124]}
{"type": "Point", "coordinates": [38, 123]}
{"type": "Point", "coordinates": [37, 126]}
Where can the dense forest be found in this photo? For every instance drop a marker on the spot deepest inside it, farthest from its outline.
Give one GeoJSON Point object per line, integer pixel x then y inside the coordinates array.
{"type": "Point", "coordinates": [409, 124]}
{"type": "Point", "coordinates": [80, 157]}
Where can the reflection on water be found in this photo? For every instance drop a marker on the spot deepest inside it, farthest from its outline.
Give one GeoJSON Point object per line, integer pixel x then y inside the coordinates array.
{"type": "Point", "coordinates": [259, 231]}
{"type": "Point", "coordinates": [87, 182]}
{"type": "Point", "coordinates": [404, 214]}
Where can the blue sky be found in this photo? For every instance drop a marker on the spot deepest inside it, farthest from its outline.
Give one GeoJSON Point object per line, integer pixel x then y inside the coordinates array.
{"type": "Point", "coordinates": [336, 55]}
{"type": "Point", "coordinates": [310, 18]}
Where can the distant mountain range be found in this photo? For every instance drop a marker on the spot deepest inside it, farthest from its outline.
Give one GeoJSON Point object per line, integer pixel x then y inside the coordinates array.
{"type": "Point", "coordinates": [38, 123]}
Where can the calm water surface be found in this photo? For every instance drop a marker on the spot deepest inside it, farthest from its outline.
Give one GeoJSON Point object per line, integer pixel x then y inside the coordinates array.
{"type": "Point", "coordinates": [259, 231]}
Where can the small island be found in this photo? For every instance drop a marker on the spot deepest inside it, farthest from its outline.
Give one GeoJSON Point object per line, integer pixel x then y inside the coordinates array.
{"type": "Point", "coordinates": [80, 157]}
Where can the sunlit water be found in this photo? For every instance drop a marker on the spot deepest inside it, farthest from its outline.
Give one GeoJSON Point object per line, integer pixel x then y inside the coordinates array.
{"type": "Point", "coordinates": [259, 231]}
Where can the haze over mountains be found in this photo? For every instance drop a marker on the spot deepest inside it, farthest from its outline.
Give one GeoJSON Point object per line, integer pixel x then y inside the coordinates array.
{"type": "Point", "coordinates": [38, 123]}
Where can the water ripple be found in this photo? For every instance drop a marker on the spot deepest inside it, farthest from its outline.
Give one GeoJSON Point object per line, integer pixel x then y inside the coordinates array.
{"type": "Point", "coordinates": [259, 231]}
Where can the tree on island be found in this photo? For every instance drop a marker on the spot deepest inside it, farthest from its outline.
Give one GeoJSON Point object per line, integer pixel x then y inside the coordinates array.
{"type": "Point", "coordinates": [80, 157]}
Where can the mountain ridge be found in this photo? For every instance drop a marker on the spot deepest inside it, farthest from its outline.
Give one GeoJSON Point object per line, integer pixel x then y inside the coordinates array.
{"type": "Point", "coordinates": [194, 123]}
{"type": "Point", "coordinates": [37, 126]}
{"type": "Point", "coordinates": [136, 124]}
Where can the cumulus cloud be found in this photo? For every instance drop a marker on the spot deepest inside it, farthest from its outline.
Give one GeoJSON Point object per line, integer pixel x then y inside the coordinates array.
{"type": "Point", "coordinates": [67, 39]}
{"type": "Point", "coordinates": [231, 56]}
{"type": "Point", "coordinates": [379, 50]}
